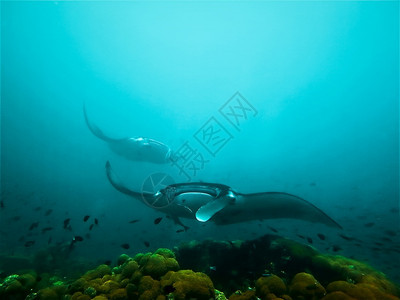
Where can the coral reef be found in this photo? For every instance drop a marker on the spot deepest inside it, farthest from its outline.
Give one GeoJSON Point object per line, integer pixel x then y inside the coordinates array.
{"type": "Point", "coordinates": [267, 268]}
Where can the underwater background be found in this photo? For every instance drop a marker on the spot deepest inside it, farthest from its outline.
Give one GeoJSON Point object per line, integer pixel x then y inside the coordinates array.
{"type": "Point", "coordinates": [320, 81]}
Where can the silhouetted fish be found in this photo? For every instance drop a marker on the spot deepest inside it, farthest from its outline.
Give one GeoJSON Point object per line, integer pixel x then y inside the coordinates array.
{"type": "Point", "coordinates": [157, 221]}
{"type": "Point", "coordinates": [29, 243]}
{"type": "Point", "coordinates": [96, 221]}
{"type": "Point", "coordinates": [180, 230]}
{"type": "Point", "coordinates": [336, 248]}
{"type": "Point", "coordinates": [390, 232]}
{"type": "Point", "coordinates": [321, 236]}
{"type": "Point", "coordinates": [85, 218]}
{"type": "Point", "coordinates": [91, 227]}
{"type": "Point", "coordinates": [309, 240]}
{"type": "Point", "coordinates": [273, 229]}
{"type": "Point", "coordinates": [2, 204]}
{"type": "Point", "coordinates": [66, 223]}
{"type": "Point", "coordinates": [301, 236]}
{"type": "Point", "coordinates": [47, 229]}
{"type": "Point", "coordinates": [147, 244]}
{"type": "Point", "coordinates": [134, 221]}
{"type": "Point", "coordinates": [77, 238]}
{"type": "Point", "coordinates": [34, 225]}
{"type": "Point", "coordinates": [37, 208]}
{"type": "Point", "coordinates": [107, 262]}
{"type": "Point", "coordinates": [347, 238]}
{"type": "Point", "coordinates": [125, 246]}
{"type": "Point", "coordinates": [370, 224]}
{"type": "Point", "coordinates": [48, 212]}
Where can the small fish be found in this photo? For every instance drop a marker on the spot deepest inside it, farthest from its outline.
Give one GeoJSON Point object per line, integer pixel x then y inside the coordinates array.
{"type": "Point", "coordinates": [37, 208]}
{"type": "Point", "coordinates": [370, 224]}
{"type": "Point", "coordinates": [313, 184]}
{"type": "Point", "coordinates": [29, 243]}
{"type": "Point", "coordinates": [85, 218]}
{"type": "Point", "coordinates": [107, 262]}
{"type": "Point", "coordinates": [385, 239]}
{"type": "Point", "coordinates": [301, 236]}
{"type": "Point", "coordinates": [96, 221]}
{"type": "Point", "coordinates": [47, 229]}
{"type": "Point", "coordinates": [347, 238]}
{"type": "Point", "coordinates": [157, 221]}
{"type": "Point", "coordinates": [390, 232]}
{"type": "Point", "coordinates": [213, 268]}
{"type": "Point", "coordinates": [134, 221]}
{"type": "Point", "coordinates": [336, 248]}
{"type": "Point", "coordinates": [147, 244]}
{"type": "Point", "coordinates": [125, 246]}
{"type": "Point", "coordinates": [273, 229]}
{"type": "Point", "coordinates": [48, 212]}
{"type": "Point", "coordinates": [180, 230]}
{"type": "Point", "coordinates": [77, 238]}
{"type": "Point", "coordinates": [309, 240]}
{"type": "Point", "coordinates": [66, 223]}
{"type": "Point", "coordinates": [2, 204]}
{"type": "Point", "coordinates": [16, 218]}
{"type": "Point", "coordinates": [91, 227]}
{"type": "Point", "coordinates": [321, 236]}
{"type": "Point", "coordinates": [394, 210]}
{"type": "Point", "coordinates": [34, 225]}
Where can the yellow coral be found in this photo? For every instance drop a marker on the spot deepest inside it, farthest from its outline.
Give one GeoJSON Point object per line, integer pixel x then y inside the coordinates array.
{"type": "Point", "coordinates": [157, 265]}
{"type": "Point", "coordinates": [48, 294]}
{"type": "Point", "coordinates": [337, 296]}
{"type": "Point", "coordinates": [100, 297]}
{"type": "Point", "coordinates": [248, 295]}
{"type": "Point", "coordinates": [360, 291]}
{"type": "Point", "coordinates": [305, 286]}
{"type": "Point", "coordinates": [118, 294]}
{"type": "Point", "coordinates": [186, 284]}
{"type": "Point", "coordinates": [99, 272]}
{"type": "Point", "coordinates": [271, 284]}
{"type": "Point", "coordinates": [149, 286]}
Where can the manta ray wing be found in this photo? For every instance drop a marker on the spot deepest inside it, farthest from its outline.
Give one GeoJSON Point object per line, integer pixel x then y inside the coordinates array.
{"type": "Point", "coordinates": [271, 205]}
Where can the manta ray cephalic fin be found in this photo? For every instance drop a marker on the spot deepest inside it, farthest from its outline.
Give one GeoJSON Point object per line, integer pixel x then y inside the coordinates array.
{"type": "Point", "coordinates": [205, 212]}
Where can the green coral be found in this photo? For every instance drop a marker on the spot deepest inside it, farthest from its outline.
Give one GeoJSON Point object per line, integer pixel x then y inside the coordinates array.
{"type": "Point", "coordinates": [156, 265]}
{"type": "Point", "coordinates": [99, 272]}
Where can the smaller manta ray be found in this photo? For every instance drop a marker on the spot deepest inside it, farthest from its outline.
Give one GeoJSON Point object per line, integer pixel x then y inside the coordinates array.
{"type": "Point", "coordinates": [222, 205]}
{"type": "Point", "coordinates": [134, 148]}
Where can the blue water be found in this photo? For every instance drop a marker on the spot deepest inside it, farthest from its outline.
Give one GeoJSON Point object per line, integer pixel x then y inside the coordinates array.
{"type": "Point", "coordinates": [321, 85]}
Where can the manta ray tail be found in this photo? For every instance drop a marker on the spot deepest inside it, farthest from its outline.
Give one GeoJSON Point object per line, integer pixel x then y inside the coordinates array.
{"type": "Point", "coordinates": [94, 129]}
{"type": "Point", "coordinates": [282, 205]}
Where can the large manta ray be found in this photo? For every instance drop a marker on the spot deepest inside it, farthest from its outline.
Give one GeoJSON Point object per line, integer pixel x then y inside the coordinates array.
{"type": "Point", "coordinates": [133, 148]}
{"type": "Point", "coordinates": [222, 205]}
